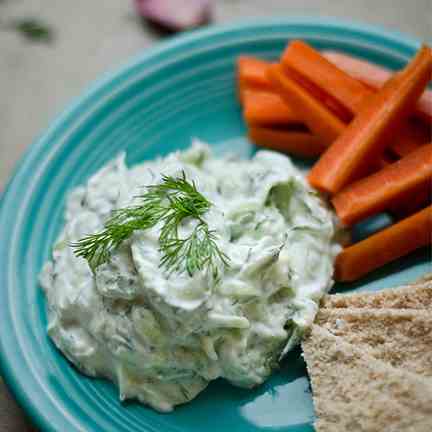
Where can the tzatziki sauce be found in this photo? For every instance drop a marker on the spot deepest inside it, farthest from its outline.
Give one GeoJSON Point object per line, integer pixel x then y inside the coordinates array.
{"type": "Point", "coordinates": [161, 336]}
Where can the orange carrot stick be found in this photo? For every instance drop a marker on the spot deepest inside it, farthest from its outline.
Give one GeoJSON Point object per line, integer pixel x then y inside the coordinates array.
{"type": "Point", "coordinates": [314, 114]}
{"type": "Point", "coordinates": [364, 140]}
{"type": "Point", "coordinates": [320, 94]}
{"type": "Point", "coordinates": [370, 74]}
{"type": "Point", "coordinates": [385, 246]}
{"type": "Point", "coordinates": [412, 135]}
{"type": "Point", "coordinates": [347, 91]}
{"type": "Point", "coordinates": [374, 77]}
{"type": "Point", "coordinates": [251, 74]}
{"type": "Point", "coordinates": [412, 202]}
{"type": "Point", "coordinates": [302, 144]}
{"type": "Point", "coordinates": [385, 188]}
{"type": "Point", "coordinates": [267, 109]}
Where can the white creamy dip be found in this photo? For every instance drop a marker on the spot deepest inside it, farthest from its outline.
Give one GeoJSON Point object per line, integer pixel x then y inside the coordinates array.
{"type": "Point", "coordinates": [160, 336]}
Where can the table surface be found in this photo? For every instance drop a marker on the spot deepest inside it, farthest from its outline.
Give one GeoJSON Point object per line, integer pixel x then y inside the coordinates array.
{"type": "Point", "coordinates": [37, 80]}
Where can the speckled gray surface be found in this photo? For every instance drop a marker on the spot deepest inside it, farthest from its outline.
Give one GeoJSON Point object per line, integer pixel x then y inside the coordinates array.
{"type": "Point", "coordinates": [38, 80]}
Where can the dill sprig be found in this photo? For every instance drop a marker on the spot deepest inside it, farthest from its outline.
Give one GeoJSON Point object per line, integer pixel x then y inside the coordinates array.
{"type": "Point", "coordinates": [171, 202]}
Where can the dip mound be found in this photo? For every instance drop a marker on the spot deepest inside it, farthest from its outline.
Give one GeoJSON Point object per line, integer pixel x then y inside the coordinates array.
{"type": "Point", "coordinates": [162, 335]}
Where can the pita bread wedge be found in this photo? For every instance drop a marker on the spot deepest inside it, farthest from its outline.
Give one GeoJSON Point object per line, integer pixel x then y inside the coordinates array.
{"type": "Point", "coordinates": [413, 296]}
{"type": "Point", "coordinates": [401, 337]}
{"type": "Point", "coordinates": [355, 392]}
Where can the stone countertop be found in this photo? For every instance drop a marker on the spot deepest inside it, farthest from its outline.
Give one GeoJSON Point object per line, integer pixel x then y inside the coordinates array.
{"type": "Point", "coordinates": [37, 80]}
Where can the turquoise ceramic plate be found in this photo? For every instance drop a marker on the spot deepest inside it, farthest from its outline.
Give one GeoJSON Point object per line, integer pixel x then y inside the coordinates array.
{"type": "Point", "coordinates": [153, 105]}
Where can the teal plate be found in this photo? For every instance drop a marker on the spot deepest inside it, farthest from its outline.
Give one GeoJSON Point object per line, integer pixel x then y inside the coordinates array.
{"type": "Point", "coordinates": [155, 104]}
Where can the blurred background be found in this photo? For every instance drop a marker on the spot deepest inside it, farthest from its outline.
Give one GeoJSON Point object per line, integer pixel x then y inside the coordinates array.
{"type": "Point", "coordinates": [50, 50]}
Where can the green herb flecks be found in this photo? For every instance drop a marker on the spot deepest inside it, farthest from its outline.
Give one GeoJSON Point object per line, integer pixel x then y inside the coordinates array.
{"type": "Point", "coordinates": [169, 203]}
{"type": "Point", "coordinates": [33, 29]}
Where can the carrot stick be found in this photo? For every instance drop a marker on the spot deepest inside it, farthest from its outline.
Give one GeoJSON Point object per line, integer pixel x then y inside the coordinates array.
{"type": "Point", "coordinates": [374, 77]}
{"type": "Point", "coordinates": [365, 138]}
{"type": "Point", "coordinates": [251, 74]}
{"type": "Point", "coordinates": [387, 187]}
{"type": "Point", "coordinates": [413, 134]}
{"type": "Point", "coordinates": [370, 74]}
{"type": "Point", "coordinates": [347, 91]}
{"type": "Point", "coordinates": [412, 202]}
{"type": "Point", "coordinates": [267, 109]}
{"type": "Point", "coordinates": [319, 94]}
{"type": "Point", "coordinates": [302, 144]}
{"type": "Point", "coordinates": [314, 114]}
{"type": "Point", "coordinates": [385, 246]}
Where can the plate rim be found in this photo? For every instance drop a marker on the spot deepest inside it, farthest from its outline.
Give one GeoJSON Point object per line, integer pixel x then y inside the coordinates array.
{"type": "Point", "coordinates": [90, 94]}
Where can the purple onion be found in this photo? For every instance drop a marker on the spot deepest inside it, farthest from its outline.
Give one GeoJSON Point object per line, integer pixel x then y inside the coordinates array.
{"type": "Point", "coordinates": [175, 15]}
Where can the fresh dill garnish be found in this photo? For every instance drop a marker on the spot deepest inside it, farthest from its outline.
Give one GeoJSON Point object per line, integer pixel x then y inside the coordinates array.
{"type": "Point", "coordinates": [169, 203]}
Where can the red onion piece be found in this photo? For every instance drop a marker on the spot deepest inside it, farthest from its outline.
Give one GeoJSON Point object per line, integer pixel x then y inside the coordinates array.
{"type": "Point", "coordinates": [175, 15]}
